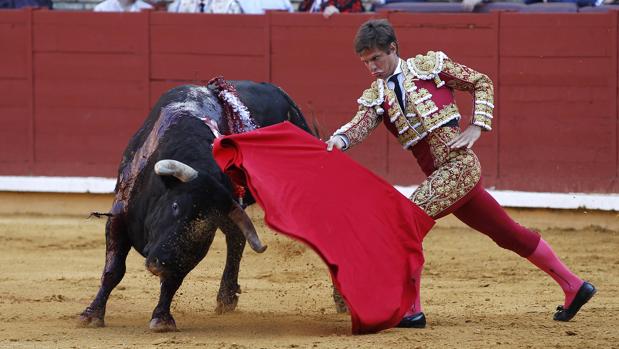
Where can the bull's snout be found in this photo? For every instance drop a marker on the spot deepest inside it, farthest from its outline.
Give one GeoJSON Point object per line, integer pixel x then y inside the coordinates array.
{"type": "Point", "coordinates": [155, 265]}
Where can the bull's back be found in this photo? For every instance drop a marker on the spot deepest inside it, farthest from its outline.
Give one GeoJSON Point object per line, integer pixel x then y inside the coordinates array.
{"type": "Point", "coordinates": [269, 104]}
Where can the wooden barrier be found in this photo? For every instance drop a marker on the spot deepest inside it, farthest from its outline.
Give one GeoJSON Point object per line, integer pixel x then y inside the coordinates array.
{"type": "Point", "coordinates": [74, 86]}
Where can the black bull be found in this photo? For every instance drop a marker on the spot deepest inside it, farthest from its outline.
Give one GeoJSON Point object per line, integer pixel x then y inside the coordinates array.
{"type": "Point", "coordinates": [171, 196]}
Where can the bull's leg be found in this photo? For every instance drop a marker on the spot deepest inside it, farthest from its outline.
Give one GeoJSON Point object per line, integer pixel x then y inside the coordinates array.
{"type": "Point", "coordinates": [117, 247]}
{"type": "Point", "coordinates": [340, 304]}
{"type": "Point", "coordinates": [172, 275]}
{"type": "Point", "coordinates": [227, 298]}
{"type": "Point", "coordinates": [162, 320]}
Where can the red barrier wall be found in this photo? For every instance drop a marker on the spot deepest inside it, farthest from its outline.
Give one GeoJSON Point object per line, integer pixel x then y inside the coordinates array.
{"type": "Point", "coordinates": [75, 86]}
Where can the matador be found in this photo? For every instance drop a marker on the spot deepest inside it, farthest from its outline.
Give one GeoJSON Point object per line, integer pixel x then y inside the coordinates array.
{"type": "Point", "coordinates": [414, 99]}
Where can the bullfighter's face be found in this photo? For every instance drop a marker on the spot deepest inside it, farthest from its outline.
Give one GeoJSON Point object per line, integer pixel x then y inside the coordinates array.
{"type": "Point", "coordinates": [380, 64]}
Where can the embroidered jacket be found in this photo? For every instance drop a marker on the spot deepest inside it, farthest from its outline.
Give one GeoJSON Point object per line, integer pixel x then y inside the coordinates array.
{"type": "Point", "coordinates": [429, 83]}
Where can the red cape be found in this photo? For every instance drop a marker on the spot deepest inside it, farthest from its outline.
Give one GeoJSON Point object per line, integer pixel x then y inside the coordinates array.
{"type": "Point", "coordinates": [366, 231]}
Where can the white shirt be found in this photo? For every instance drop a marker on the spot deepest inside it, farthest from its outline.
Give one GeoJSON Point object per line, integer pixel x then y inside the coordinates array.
{"type": "Point", "coordinates": [260, 6]}
{"type": "Point", "coordinates": [115, 6]}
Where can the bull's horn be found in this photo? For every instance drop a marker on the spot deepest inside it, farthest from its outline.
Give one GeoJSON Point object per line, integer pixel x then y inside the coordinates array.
{"type": "Point", "coordinates": [240, 218]}
{"type": "Point", "coordinates": [177, 169]}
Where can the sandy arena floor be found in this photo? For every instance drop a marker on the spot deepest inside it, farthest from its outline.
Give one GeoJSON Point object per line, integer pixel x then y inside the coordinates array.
{"type": "Point", "coordinates": [475, 294]}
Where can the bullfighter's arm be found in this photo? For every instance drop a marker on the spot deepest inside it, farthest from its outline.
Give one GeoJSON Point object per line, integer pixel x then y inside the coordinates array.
{"type": "Point", "coordinates": [365, 120]}
{"type": "Point", "coordinates": [461, 77]}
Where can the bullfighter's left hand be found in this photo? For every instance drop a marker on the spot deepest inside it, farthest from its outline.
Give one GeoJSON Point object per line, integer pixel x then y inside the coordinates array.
{"type": "Point", "coordinates": [466, 139]}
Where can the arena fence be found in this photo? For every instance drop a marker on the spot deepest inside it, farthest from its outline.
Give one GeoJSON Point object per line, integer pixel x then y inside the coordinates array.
{"type": "Point", "coordinates": [74, 86]}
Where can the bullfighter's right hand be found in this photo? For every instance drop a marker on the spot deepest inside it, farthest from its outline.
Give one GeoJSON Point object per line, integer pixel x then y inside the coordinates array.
{"type": "Point", "coordinates": [335, 141]}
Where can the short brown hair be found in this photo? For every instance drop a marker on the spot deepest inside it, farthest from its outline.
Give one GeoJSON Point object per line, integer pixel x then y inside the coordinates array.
{"type": "Point", "coordinates": [375, 33]}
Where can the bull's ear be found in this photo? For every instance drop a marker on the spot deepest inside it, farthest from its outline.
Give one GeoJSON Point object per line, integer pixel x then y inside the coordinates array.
{"type": "Point", "coordinates": [183, 172]}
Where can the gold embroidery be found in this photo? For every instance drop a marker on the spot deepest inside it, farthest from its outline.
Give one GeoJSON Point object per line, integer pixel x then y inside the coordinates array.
{"type": "Point", "coordinates": [409, 78]}
{"type": "Point", "coordinates": [420, 95]}
{"type": "Point", "coordinates": [448, 112]}
{"type": "Point", "coordinates": [428, 65]}
{"type": "Point", "coordinates": [457, 172]}
{"type": "Point", "coordinates": [360, 126]}
{"type": "Point", "coordinates": [426, 108]}
{"type": "Point", "coordinates": [467, 79]}
{"type": "Point", "coordinates": [482, 123]}
{"type": "Point", "coordinates": [422, 114]}
{"type": "Point", "coordinates": [460, 85]}
{"type": "Point", "coordinates": [482, 108]}
{"type": "Point", "coordinates": [372, 96]}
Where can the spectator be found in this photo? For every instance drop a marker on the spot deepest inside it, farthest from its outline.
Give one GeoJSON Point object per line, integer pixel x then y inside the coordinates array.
{"type": "Point", "coordinates": [122, 6]}
{"type": "Point", "coordinates": [469, 5]}
{"type": "Point", "coordinates": [229, 6]}
{"type": "Point", "coordinates": [260, 6]}
{"type": "Point", "coordinates": [206, 6]}
{"type": "Point", "coordinates": [330, 7]}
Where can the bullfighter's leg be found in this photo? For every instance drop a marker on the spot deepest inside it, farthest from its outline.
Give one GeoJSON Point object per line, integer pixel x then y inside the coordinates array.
{"type": "Point", "coordinates": [452, 177]}
{"type": "Point", "coordinates": [227, 297]}
{"type": "Point", "coordinates": [117, 247]}
{"type": "Point", "coordinates": [485, 215]}
{"type": "Point", "coordinates": [453, 186]}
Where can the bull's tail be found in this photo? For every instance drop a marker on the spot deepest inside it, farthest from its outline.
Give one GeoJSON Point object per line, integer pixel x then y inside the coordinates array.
{"type": "Point", "coordinates": [296, 117]}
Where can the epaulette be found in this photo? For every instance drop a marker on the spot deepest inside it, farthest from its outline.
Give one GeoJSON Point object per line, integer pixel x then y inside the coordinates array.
{"type": "Point", "coordinates": [373, 96]}
{"type": "Point", "coordinates": [427, 66]}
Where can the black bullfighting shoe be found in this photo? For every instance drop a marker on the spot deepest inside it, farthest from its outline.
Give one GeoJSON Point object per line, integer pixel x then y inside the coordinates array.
{"type": "Point", "coordinates": [585, 292]}
{"type": "Point", "coordinates": [413, 321]}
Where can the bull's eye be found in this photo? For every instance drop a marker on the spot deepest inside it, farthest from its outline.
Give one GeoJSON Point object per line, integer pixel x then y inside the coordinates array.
{"type": "Point", "coordinates": [175, 208]}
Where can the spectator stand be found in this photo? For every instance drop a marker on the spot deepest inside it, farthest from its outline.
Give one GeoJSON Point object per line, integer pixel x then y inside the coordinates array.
{"type": "Point", "coordinates": [9, 4]}
{"type": "Point", "coordinates": [421, 6]}
{"type": "Point", "coordinates": [600, 9]}
{"type": "Point", "coordinates": [528, 6]}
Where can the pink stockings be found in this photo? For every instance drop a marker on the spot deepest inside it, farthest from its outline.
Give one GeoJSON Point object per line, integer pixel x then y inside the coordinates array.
{"type": "Point", "coordinates": [544, 258]}
{"type": "Point", "coordinates": [416, 308]}
{"type": "Point", "coordinates": [485, 215]}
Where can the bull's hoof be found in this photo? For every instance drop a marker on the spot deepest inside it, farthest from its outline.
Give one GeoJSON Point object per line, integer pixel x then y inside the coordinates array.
{"type": "Point", "coordinates": [90, 318]}
{"type": "Point", "coordinates": [163, 325]}
{"type": "Point", "coordinates": [90, 321]}
{"type": "Point", "coordinates": [226, 306]}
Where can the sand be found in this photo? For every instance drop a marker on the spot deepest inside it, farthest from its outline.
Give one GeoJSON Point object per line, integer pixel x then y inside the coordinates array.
{"type": "Point", "coordinates": [475, 294]}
